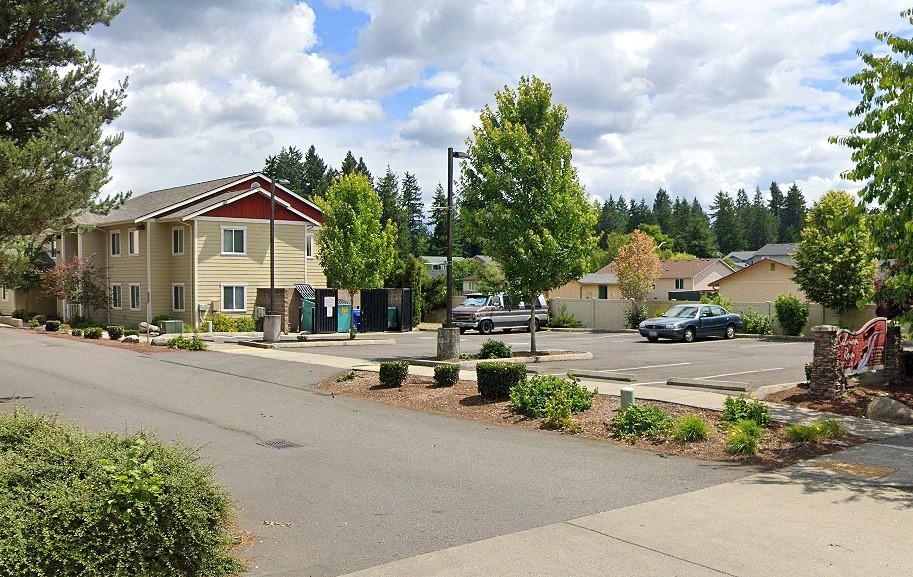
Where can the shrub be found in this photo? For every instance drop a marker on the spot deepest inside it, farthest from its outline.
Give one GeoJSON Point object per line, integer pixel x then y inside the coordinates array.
{"type": "Point", "coordinates": [185, 343]}
{"type": "Point", "coordinates": [749, 427]}
{"type": "Point", "coordinates": [349, 376]}
{"type": "Point", "coordinates": [830, 428]}
{"type": "Point", "coordinates": [115, 332]}
{"type": "Point", "coordinates": [76, 332]}
{"type": "Point", "coordinates": [75, 504]}
{"type": "Point", "coordinates": [532, 398]}
{"type": "Point", "coordinates": [302, 337]}
{"type": "Point", "coordinates": [635, 314]}
{"type": "Point", "coordinates": [717, 299]}
{"type": "Point", "coordinates": [84, 323]}
{"type": "Point", "coordinates": [814, 431]}
{"type": "Point", "coordinates": [808, 372]}
{"type": "Point", "coordinates": [495, 379]}
{"type": "Point", "coordinates": [52, 326]}
{"type": "Point", "coordinates": [635, 421]}
{"type": "Point", "coordinates": [740, 408]}
{"type": "Point", "coordinates": [791, 314]}
{"type": "Point", "coordinates": [93, 333]}
{"type": "Point", "coordinates": [246, 324]}
{"type": "Point", "coordinates": [222, 323]}
{"type": "Point", "coordinates": [34, 324]}
{"type": "Point", "coordinates": [492, 349]}
{"type": "Point", "coordinates": [755, 323]}
{"type": "Point", "coordinates": [131, 332]}
{"type": "Point", "coordinates": [742, 443]}
{"type": "Point", "coordinates": [558, 412]}
{"type": "Point", "coordinates": [23, 314]}
{"type": "Point", "coordinates": [563, 319]}
{"type": "Point", "coordinates": [64, 327]}
{"type": "Point", "coordinates": [393, 373]}
{"type": "Point", "coordinates": [690, 428]}
{"type": "Point", "coordinates": [446, 375]}
{"type": "Point", "coordinates": [157, 319]}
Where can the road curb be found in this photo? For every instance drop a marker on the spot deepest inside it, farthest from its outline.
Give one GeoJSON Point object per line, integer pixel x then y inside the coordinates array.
{"type": "Point", "coordinates": [470, 364]}
{"type": "Point", "coordinates": [603, 376]}
{"type": "Point", "coordinates": [776, 338]}
{"type": "Point", "coordinates": [763, 392]}
{"type": "Point", "coordinates": [699, 384]}
{"type": "Point", "coordinates": [314, 344]}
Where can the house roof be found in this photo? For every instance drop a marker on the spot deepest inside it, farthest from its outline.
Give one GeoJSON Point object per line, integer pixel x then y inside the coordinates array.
{"type": "Point", "coordinates": [776, 249]}
{"type": "Point", "coordinates": [782, 261]}
{"type": "Point", "coordinates": [439, 259]}
{"type": "Point", "coordinates": [740, 255]}
{"type": "Point", "coordinates": [605, 275]}
{"type": "Point", "coordinates": [685, 268]}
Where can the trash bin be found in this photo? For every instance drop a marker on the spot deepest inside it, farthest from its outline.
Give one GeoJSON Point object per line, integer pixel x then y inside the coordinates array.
{"type": "Point", "coordinates": [306, 316]}
{"type": "Point", "coordinates": [343, 318]}
{"type": "Point", "coordinates": [171, 327]}
{"type": "Point", "coordinates": [356, 319]}
{"type": "Point", "coordinates": [392, 319]}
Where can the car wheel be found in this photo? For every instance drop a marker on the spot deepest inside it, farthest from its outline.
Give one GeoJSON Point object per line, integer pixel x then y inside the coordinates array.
{"type": "Point", "coordinates": [689, 335]}
{"type": "Point", "coordinates": [486, 326]}
{"type": "Point", "coordinates": [653, 339]}
{"type": "Point", "coordinates": [730, 332]}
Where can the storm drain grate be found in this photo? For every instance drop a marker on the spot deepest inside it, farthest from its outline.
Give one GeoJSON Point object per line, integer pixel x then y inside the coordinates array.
{"type": "Point", "coordinates": [278, 444]}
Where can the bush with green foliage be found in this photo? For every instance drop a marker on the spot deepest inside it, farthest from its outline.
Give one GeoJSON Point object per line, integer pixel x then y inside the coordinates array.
{"type": "Point", "coordinates": [635, 314]}
{"type": "Point", "coordinates": [717, 299]}
{"type": "Point", "coordinates": [636, 421]}
{"type": "Point", "coordinates": [690, 428]}
{"type": "Point", "coordinates": [495, 379]}
{"type": "Point", "coordinates": [393, 373]}
{"type": "Point", "coordinates": [189, 344]}
{"type": "Point", "coordinates": [492, 349]}
{"type": "Point", "coordinates": [808, 372]}
{"type": "Point", "coordinates": [85, 323]}
{"type": "Point", "coordinates": [76, 332]}
{"type": "Point", "coordinates": [34, 324]}
{"type": "Point", "coordinates": [743, 443]}
{"type": "Point", "coordinates": [76, 504]}
{"type": "Point", "coordinates": [791, 314]}
{"type": "Point", "coordinates": [131, 332]}
{"type": "Point", "coordinates": [94, 333]}
{"type": "Point", "coordinates": [563, 320]}
{"type": "Point", "coordinates": [447, 374]}
{"type": "Point", "coordinates": [115, 332]}
{"type": "Point", "coordinates": [245, 324]}
{"type": "Point", "coordinates": [349, 376]}
{"type": "Point", "coordinates": [558, 411]}
{"type": "Point", "coordinates": [740, 408]}
{"type": "Point", "coordinates": [52, 326]}
{"type": "Point", "coordinates": [222, 323]}
{"type": "Point", "coordinates": [755, 323]}
{"type": "Point", "coordinates": [23, 314]}
{"type": "Point", "coordinates": [815, 431]}
{"type": "Point", "coordinates": [532, 397]}
{"type": "Point", "coordinates": [158, 319]}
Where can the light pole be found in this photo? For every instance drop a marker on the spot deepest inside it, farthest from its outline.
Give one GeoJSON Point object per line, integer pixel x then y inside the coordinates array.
{"type": "Point", "coordinates": [451, 154]}
{"type": "Point", "coordinates": [272, 241]}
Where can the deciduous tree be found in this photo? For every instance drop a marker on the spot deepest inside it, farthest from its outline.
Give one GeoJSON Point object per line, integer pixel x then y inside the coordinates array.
{"type": "Point", "coordinates": [637, 267]}
{"type": "Point", "coordinates": [80, 281]}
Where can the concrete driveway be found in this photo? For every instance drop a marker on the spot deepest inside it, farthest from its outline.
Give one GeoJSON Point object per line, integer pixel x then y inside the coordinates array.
{"type": "Point", "coordinates": [365, 483]}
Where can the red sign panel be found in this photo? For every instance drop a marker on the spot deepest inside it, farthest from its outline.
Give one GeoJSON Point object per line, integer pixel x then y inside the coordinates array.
{"type": "Point", "coordinates": [863, 350]}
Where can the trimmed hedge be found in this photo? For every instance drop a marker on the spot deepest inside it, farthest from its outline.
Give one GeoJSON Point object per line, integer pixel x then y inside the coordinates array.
{"type": "Point", "coordinates": [492, 349]}
{"type": "Point", "coordinates": [393, 373]}
{"type": "Point", "coordinates": [446, 375]}
{"type": "Point", "coordinates": [115, 332]}
{"type": "Point", "coordinates": [76, 332]}
{"type": "Point", "coordinates": [92, 333]}
{"type": "Point", "coordinates": [495, 379]}
{"type": "Point", "coordinates": [52, 326]}
{"type": "Point", "coordinates": [77, 504]}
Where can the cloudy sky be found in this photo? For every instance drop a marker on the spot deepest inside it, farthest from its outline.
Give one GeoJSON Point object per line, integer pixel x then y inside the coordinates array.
{"type": "Point", "coordinates": [689, 95]}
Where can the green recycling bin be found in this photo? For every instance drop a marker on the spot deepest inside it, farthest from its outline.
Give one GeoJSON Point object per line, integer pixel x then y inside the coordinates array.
{"type": "Point", "coordinates": [306, 318]}
{"type": "Point", "coordinates": [343, 318]}
{"type": "Point", "coordinates": [392, 319]}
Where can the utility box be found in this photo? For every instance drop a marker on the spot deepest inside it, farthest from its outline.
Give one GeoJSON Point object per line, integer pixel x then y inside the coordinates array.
{"type": "Point", "coordinates": [172, 327]}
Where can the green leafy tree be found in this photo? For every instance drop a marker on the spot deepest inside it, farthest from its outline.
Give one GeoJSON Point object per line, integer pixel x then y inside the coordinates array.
{"type": "Point", "coordinates": [288, 164]}
{"type": "Point", "coordinates": [726, 224]}
{"type": "Point", "coordinates": [882, 152]}
{"type": "Point", "coordinates": [491, 278]}
{"type": "Point", "coordinates": [792, 218]}
{"type": "Point", "coordinates": [355, 250]}
{"type": "Point", "coordinates": [54, 157]}
{"type": "Point", "coordinates": [521, 195]}
{"type": "Point", "coordinates": [80, 281]}
{"type": "Point", "coordinates": [835, 260]}
{"type": "Point", "coordinates": [25, 262]}
{"type": "Point", "coordinates": [601, 256]}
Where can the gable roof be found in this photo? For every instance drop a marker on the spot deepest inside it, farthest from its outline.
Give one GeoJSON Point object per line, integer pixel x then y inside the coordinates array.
{"type": "Point", "coordinates": [686, 268]}
{"type": "Point", "coordinates": [741, 255]}
{"type": "Point", "coordinates": [782, 261]}
{"type": "Point", "coordinates": [776, 249]}
{"type": "Point", "coordinates": [605, 275]}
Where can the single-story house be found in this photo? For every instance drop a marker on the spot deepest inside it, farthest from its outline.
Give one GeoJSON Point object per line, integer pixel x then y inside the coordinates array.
{"type": "Point", "coordinates": [782, 252]}
{"type": "Point", "coordinates": [760, 282]}
{"type": "Point", "coordinates": [189, 251]}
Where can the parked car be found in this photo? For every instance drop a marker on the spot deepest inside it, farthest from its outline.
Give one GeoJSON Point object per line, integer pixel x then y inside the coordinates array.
{"type": "Point", "coordinates": [690, 322]}
{"type": "Point", "coordinates": [484, 313]}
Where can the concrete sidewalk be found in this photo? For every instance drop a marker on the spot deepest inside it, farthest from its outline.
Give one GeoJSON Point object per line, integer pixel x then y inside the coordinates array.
{"type": "Point", "coordinates": [799, 521]}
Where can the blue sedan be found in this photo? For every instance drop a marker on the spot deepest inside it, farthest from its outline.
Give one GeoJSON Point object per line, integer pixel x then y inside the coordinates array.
{"type": "Point", "coordinates": [690, 322]}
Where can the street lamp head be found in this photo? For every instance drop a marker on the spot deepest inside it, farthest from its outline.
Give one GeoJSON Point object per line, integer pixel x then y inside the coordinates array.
{"type": "Point", "coordinates": [457, 154]}
{"type": "Point", "coordinates": [282, 181]}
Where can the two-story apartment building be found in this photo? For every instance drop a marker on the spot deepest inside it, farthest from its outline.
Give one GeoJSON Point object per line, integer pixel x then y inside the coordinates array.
{"type": "Point", "coordinates": [189, 251]}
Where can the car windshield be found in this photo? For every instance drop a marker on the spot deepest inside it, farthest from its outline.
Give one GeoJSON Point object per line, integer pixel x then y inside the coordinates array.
{"type": "Point", "coordinates": [475, 301]}
{"type": "Point", "coordinates": [680, 312]}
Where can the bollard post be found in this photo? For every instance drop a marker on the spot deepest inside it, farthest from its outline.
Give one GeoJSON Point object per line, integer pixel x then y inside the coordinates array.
{"type": "Point", "coordinates": [627, 397]}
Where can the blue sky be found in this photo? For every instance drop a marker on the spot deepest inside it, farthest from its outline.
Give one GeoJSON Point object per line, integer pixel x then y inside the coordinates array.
{"type": "Point", "coordinates": [691, 96]}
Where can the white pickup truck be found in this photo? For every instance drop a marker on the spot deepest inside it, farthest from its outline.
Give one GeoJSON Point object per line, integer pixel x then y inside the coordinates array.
{"type": "Point", "coordinates": [485, 313]}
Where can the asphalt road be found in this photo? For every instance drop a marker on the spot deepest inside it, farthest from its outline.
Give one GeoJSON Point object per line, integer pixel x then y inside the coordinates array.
{"type": "Point", "coordinates": [742, 361]}
{"type": "Point", "coordinates": [368, 484]}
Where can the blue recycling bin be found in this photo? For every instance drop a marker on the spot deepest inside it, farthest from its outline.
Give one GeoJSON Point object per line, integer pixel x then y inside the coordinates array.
{"type": "Point", "coordinates": [356, 319]}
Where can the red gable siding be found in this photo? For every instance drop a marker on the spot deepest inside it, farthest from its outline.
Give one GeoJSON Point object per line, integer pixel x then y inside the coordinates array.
{"type": "Point", "coordinates": [253, 206]}
{"type": "Point", "coordinates": [296, 202]}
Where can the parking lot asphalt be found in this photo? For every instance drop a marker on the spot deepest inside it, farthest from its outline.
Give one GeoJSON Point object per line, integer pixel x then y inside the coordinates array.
{"type": "Point", "coordinates": [745, 362]}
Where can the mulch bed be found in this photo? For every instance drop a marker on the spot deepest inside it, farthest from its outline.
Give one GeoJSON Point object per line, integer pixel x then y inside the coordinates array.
{"type": "Point", "coordinates": [140, 347]}
{"type": "Point", "coordinates": [464, 401]}
{"type": "Point", "coordinates": [853, 403]}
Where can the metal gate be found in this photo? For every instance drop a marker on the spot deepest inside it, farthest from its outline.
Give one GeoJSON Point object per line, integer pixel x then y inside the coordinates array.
{"type": "Point", "coordinates": [373, 310]}
{"type": "Point", "coordinates": [402, 300]}
{"type": "Point", "coordinates": [325, 316]}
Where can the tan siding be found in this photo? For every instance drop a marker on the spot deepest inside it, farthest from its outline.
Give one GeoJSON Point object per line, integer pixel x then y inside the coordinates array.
{"type": "Point", "coordinates": [252, 269]}
{"type": "Point", "coordinates": [168, 269]}
{"type": "Point", "coordinates": [760, 284]}
{"type": "Point", "coordinates": [126, 269]}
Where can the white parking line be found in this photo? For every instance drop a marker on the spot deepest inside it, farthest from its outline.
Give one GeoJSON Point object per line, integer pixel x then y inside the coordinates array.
{"type": "Point", "coordinates": [643, 367]}
{"type": "Point", "coordinates": [765, 345]}
{"type": "Point", "coordinates": [740, 373]}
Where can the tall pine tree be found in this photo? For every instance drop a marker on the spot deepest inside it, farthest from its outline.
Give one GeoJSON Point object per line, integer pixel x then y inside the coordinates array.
{"type": "Point", "coordinates": [413, 213]}
{"type": "Point", "coordinates": [349, 164]}
{"type": "Point", "coordinates": [288, 164]}
{"type": "Point", "coordinates": [317, 178]}
{"type": "Point", "coordinates": [761, 226]}
{"type": "Point", "coordinates": [662, 210]}
{"type": "Point", "coordinates": [678, 227]}
{"type": "Point", "coordinates": [699, 237]}
{"type": "Point", "coordinates": [388, 191]}
{"type": "Point", "coordinates": [437, 240]}
{"type": "Point", "coordinates": [777, 203]}
{"type": "Point", "coordinates": [640, 214]}
{"type": "Point", "coordinates": [726, 225]}
{"type": "Point", "coordinates": [793, 218]}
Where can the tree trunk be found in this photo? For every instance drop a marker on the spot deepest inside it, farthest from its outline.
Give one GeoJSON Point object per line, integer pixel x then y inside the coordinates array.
{"type": "Point", "coordinates": [532, 323]}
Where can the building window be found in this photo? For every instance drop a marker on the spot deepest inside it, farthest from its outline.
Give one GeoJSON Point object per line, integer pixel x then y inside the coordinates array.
{"type": "Point", "coordinates": [234, 241]}
{"type": "Point", "coordinates": [115, 243]}
{"type": "Point", "coordinates": [134, 297]}
{"type": "Point", "coordinates": [603, 292]}
{"type": "Point", "coordinates": [309, 245]}
{"type": "Point", "coordinates": [773, 266]}
{"type": "Point", "coordinates": [177, 297]}
{"type": "Point", "coordinates": [117, 297]}
{"type": "Point", "coordinates": [53, 250]}
{"type": "Point", "coordinates": [679, 284]}
{"type": "Point", "coordinates": [177, 240]}
{"type": "Point", "coordinates": [3, 291]}
{"type": "Point", "coordinates": [234, 298]}
{"type": "Point", "coordinates": [133, 242]}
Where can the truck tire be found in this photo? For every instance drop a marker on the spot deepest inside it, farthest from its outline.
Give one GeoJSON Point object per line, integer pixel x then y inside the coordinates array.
{"type": "Point", "coordinates": [486, 326]}
{"type": "Point", "coordinates": [538, 325]}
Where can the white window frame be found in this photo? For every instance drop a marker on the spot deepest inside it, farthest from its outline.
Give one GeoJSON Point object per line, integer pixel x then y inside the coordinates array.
{"type": "Point", "coordinates": [182, 236]}
{"type": "Point", "coordinates": [120, 304]}
{"type": "Point", "coordinates": [131, 234]}
{"type": "Point", "coordinates": [309, 245]}
{"type": "Point", "coordinates": [679, 281]}
{"type": "Point", "coordinates": [120, 248]}
{"type": "Point", "coordinates": [222, 288]}
{"type": "Point", "coordinates": [175, 285]}
{"type": "Point", "coordinates": [222, 230]}
{"type": "Point", "coordinates": [139, 293]}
